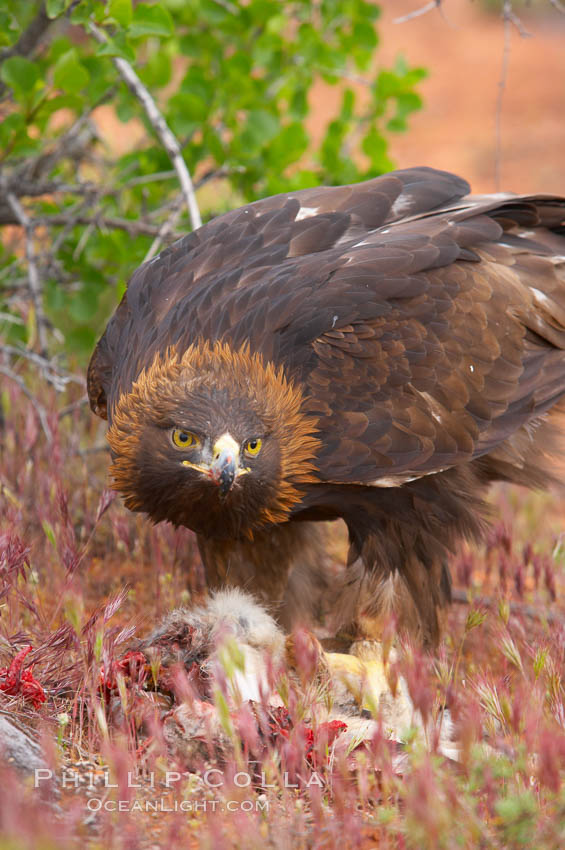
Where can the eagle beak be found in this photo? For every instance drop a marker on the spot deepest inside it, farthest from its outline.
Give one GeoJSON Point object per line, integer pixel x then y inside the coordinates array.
{"type": "Point", "coordinates": [225, 462]}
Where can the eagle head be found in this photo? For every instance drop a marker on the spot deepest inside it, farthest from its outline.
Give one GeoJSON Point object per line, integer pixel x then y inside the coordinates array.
{"type": "Point", "coordinates": [214, 439]}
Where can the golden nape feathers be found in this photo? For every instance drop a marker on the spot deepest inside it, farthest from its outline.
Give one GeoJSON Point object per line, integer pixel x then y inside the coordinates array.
{"type": "Point", "coordinates": [377, 353]}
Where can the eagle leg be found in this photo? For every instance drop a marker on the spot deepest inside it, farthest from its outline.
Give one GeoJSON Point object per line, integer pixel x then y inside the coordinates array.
{"type": "Point", "coordinates": [374, 601]}
{"type": "Point", "coordinates": [283, 566]}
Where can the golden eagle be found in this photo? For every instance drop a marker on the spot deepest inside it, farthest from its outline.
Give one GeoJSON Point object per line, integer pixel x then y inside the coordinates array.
{"type": "Point", "coordinates": [376, 352]}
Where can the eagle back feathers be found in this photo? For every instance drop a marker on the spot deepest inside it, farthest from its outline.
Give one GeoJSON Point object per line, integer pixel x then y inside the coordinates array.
{"type": "Point", "coordinates": [423, 326]}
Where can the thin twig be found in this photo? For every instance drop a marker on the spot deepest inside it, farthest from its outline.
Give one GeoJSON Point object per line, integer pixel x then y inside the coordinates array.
{"type": "Point", "coordinates": [510, 19]}
{"type": "Point", "coordinates": [434, 4]}
{"type": "Point", "coordinates": [40, 410]}
{"type": "Point", "coordinates": [558, 5]}
{"type": "Point", "coordinates": [131, 226]}
{"type": "Point", "coordinates": [22, 187]}
{"type": "Point", "coordinates": [74, 405]}
{"type": "Point", "coordinates": [166, 229]}
{"type": "Point", "coordinates": [32, 270]}
{"type": "Point", "coordinates": [144, 178]}
{"type": "Point", "coordinates": [71, 144]}
{"type": "Point", "coordinates": [93, 450]}
{"type": "Point", "coordinates": [500, 96]}
{"type": "Point", "coordinates": [58, 377]}
{"type": "Point", "coordinates": [73, 214]}
{"type": "Point", "coordinates": [168, 139]}
{"type": "Point", "coordinates": [514, 19]}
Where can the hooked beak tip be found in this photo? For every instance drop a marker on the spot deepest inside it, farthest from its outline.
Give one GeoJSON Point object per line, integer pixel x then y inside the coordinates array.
{"type": "Point", "coordinates": [223, 472]}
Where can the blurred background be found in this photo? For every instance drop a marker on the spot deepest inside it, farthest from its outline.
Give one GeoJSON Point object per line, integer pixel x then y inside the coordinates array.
{"type": "Point", "coordinates": [463, 47]}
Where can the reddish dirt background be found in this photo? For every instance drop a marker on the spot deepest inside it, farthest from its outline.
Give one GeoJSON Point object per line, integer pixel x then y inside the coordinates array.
{"type": "Point", "coordinates": [464, 54]}
{"type": "Point", "coordinates": [462, 46]}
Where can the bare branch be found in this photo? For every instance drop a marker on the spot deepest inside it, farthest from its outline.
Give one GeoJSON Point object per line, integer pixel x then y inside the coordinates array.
{"type": "Point", "coordinates": [510, 19]}
{"type": "Point", "coordinates": [147, 178]}
{"type": "Point", "coordinates": [58, 377]}
{"type": "Point", "coordinates": [131, 226]}
{"type": "Point", "coordinates": [34, 189]}
{"type": "Point", "coordinates": [93, 450]}
{"type": "Point", "coordinates": [72, 144]}
{"type": "Point", "coordinates": [500, 98]}
{"type": "Point", "coordinates": [433, 4]}
{"type": "Point", "coordinates": [168, 139]}
{"type": "Point", "coordinates": [41, 412]}
{"type": "Point", "coordinates": [508, 13]}
{"type": "Point", "coordinates": [22, 187]}
{"type": "Point", "coordinates": [74, 405]}
{"type": "Point", "coordinates": [32, 269]}
{"type": "Point", "coordinates": [30, 37]}
{"type": "Point", "coordinates": [558, 5]}
{"type": "Point", "coordinates": [165, 230]}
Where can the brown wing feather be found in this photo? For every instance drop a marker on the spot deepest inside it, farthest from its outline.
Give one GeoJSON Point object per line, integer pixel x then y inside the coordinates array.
{"type": "Point", "coordinates": [248, 273]}
{"type": "Point", "coordinates": [465, 355]}
{"type": "Point", "coordinates": [426, 326]}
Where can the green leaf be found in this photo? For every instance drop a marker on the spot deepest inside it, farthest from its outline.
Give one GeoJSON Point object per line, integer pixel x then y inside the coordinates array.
{"type": "Point", "coordinates": [117, 46]}
{"type": "Point", "coordinates": [374, 145]}
{"type": "Point", "coordinates": [55, 298]}
{"type": "Point", "coordinates": [150, 20]}
{"type": "Point", "coordinates": [288, 146]}
{"type": "Point", "coordinates": [8, 27]}
{"type": "Point", "coordinates": [11, 125]}
{"type": "Point", "coordinates": [19, 73]}
{"type": "Point", "coordinates": [83, 304]}
{"type": "Point", "coordinates": [260, 128]}
{"type": "Point", "coordinates": [69, 73]}
{"type": "Point", "coordinates": [121, 11]}
{"type": "Point", "coordinates": [364, 36]}
{"type": "Point", "coordinates": [81, 339]}
{"type": "Point", "coordinates": [186, 112]}
{"type": "Point", "coordinates": [157, 71]}
{"type": "Point", "coordinates": [83, 11]}
{"type": "Point", "coordinates": [54, 8]}
{"type": "Point", "coordinates": [63, 101]}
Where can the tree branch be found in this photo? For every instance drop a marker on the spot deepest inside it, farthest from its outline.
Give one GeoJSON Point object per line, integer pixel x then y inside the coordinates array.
{"type": "Point", "coordinates": [433, 4]}
{"type": "Point", "coordinates": [165, 230]}
{"type": "Point", "coordinates": [500, 97]}
{"type": "Point", "coordinates": [35, 284]}
{"type": "Point", "coordinates": [30, 37]}
{"type": "Point", "coordinates": [167, 138]}
{"type": "Point", "coordinates": [131, 226]}
{"type": "Point", "coordinates": [509, 18]}
{"type": "Point", "coordinates": [40, 410]}
{"type": "Point", "coordinates": [27, 41]}
{"type": "Point", "coordinates": [59, 378]}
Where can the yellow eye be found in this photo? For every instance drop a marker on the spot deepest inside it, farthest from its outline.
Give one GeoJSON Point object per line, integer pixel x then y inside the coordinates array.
{"type": "Point", "coordinates": [253, 447]}
{"type": "Point", "coordinates": [184, 439]}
